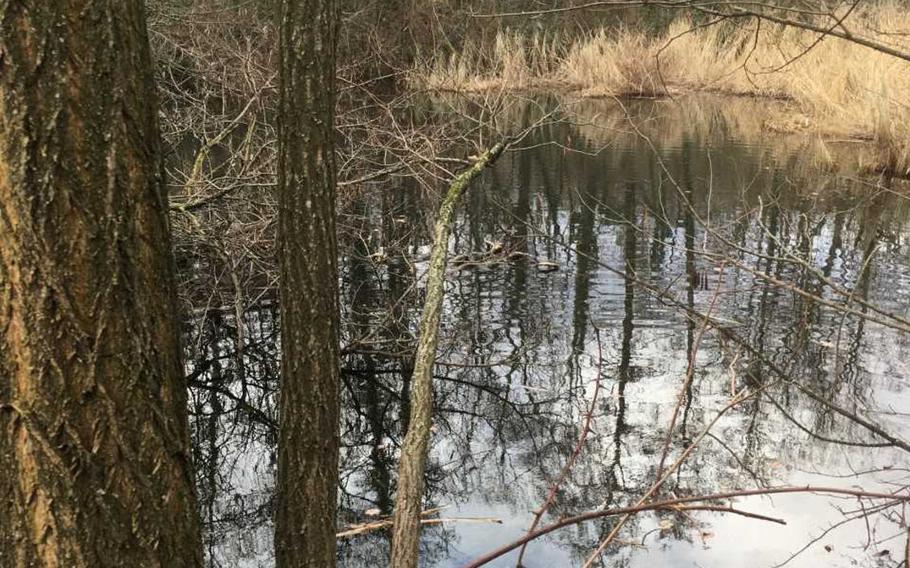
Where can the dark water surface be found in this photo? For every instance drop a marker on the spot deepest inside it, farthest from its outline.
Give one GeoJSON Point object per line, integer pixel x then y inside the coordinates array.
{"type": "Point", "coordinates": [749, 227]}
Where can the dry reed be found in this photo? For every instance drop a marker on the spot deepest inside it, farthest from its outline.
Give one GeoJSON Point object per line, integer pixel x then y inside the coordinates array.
{"type": "Point", "coordinates": [836, 87]}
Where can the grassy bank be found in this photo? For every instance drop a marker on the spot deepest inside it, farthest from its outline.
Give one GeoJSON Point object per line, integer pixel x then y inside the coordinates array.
{"type": "Point", "coordinates": [833, 87]}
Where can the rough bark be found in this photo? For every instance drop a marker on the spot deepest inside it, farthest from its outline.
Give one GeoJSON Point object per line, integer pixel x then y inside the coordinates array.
{"type": "Point", "coordinates": [94, 449]}
{"type": "Point", "coordinates": [310, 359]}
{"type": "Point", "coordinates": [409, 496]}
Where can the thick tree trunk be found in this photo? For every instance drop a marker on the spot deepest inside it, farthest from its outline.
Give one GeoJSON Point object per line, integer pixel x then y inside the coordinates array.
{"type": "Point", "coordinates": [94, 462]}
{"type": "Point", "coordinates": [309, 413]}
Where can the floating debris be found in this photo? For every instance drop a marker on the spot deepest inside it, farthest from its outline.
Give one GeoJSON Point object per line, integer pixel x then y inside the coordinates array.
{"type": "Point", "coordinates": [546, 266]}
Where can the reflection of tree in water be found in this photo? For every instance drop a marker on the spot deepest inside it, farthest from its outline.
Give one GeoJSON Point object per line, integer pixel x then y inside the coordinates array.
{"type": "Point", "coordinates": [233, 416]}
{"type": "Point", "coordinates": [517, 358]}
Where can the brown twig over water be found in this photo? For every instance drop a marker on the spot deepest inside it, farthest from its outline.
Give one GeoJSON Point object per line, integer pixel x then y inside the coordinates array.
{"type": "Point", "coordinates": [670, 504]}
{"type": "Point", "coordinates": [662, 478]}
{"type": "Point", "coordinates": [585, 430]}
{"type": "Point", "coordinates": [690, 374]}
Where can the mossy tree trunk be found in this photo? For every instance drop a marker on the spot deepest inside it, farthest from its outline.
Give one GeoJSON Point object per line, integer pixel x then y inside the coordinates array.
{"type": "Point", "coordinates": [307, 249]}
{"type": "Point", "coordinates": [94, 449]}
{"type": "Point", "coordinates": [412, 467]}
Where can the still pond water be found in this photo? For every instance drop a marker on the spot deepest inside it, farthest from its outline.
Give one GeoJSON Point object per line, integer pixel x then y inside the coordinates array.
{"type": "Point", "coordinates": [708, 213]}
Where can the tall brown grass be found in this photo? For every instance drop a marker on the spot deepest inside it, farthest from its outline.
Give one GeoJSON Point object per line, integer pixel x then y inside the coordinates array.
{"type": "Point", "coordinates": [833, 86]}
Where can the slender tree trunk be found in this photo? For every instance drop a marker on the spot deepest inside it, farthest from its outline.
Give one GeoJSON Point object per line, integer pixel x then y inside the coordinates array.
{"type": "Point", "coordinates": [412, 467]}
{"type": "Point", "coordinates": [95, 468]}
{"type": "Point", "coordinates": [309, 406]}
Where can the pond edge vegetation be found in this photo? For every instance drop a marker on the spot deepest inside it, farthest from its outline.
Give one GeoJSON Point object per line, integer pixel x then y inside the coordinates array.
{"type": "Point", "coordinates": [826, 85]}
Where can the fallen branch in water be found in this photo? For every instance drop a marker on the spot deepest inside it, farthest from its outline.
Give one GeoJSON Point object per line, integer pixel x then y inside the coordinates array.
{"type": "Point", "coordinates": [363, 528]}
{"type": "Point", "coordinates": [672, 504]}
